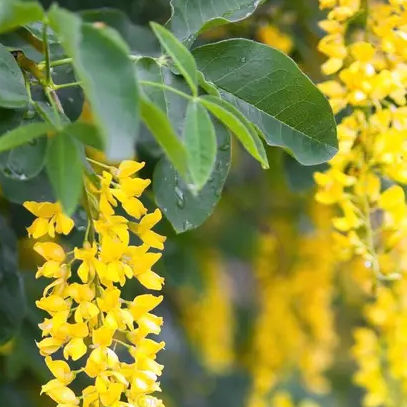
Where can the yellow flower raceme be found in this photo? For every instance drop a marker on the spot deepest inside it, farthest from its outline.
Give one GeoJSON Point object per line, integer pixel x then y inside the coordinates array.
{"type": "Point", "coordinates": [370, 67]}
{"type": "Point", "coordinates": [88, 318]}
{"type": "Point", "coordinates": [210, 307]}
{"type": "Point", "coordinates": [294, 329]}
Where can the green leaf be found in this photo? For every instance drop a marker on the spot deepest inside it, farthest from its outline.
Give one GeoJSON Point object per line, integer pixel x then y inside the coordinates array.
{"type": "Point", "coordinates": [148, 70]}
{"type": "Point", "coordinates": [12, 303]}
{"type": "Point", "coordinates": [23, 134]}
{"type": "Point", "coordinates": [238, 124]}
{"type": "Point", "coordinates": [26, 161]}
{"type": "Point", "coordinates": [181, 207]}
{"type": "Point", "coordinates": [14, 13]}
{"type": "Point", "coordinates": [180, 55]}
{"type": "Point", "coordinates": [64, 167]}
{"type": "Point", "coordinates": [200, 143]}
{"type": "Point", "coordinates": [190, 17]}
{"type": "Point", "coordinates": [12, 88]}
{"type": "Point", "coordinates": [101, 61]}
{"type": "Point", "coordinates": [272, 92]}
{"type": "Point", "coordinates": [160, 127]}
{"type": "Point", "coordinates": [87, 134]}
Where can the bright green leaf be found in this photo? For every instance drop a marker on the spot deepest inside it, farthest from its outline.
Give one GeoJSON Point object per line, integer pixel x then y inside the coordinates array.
{"type": "Point", "coordinates": [23, 134]}
{"type": "Point", "coordinates": [180, 55]}
{"type": "Point", "coordinates": [200, 143]}
{"type": "Point", "coordinates": [14, 13]}
{"type": "Point", "coordinates": [101, 61]}
{"type": "Point", "coordinates": [272, 92]}
{"type": "Point", "coordinates": [181, 207]}
{"type": "Point", "coordinates": [87, 134]}
{"type": "Point", "coordinates": [160, 127]}
{"type": "Point", "coordinates": [64, 167]}
{"type": "Point", "coordinates": [12, 88]}
{"type": "Point", "coordinates": [238, 124]}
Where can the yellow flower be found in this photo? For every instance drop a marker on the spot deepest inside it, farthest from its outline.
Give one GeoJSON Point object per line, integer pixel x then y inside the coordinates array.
{"type": "Point", "coordinates": [144, 232]}
{"type": "Point", "coordinates": [50, 219]}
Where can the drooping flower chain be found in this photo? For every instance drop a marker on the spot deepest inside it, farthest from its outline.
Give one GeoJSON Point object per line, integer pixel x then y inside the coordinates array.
{"type": "Point", "coordinates": [369, 65]}
{"type": "Point", "coordinates": [89, 322]}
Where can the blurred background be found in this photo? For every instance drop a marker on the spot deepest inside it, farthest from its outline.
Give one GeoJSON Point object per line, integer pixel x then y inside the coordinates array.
{"type": "Point", "coordinates": [257, 312]}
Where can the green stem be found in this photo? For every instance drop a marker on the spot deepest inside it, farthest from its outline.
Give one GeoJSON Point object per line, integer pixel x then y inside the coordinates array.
{"type": "Point", "coordinates": [99, 163]}
{"type": "Point", "coordinates": [59, 62]}
{"type": "Point", "coordinates": [46, 52]}
{"type": "Point", "coordinates": [166, 87]}
{"type": "Point", "coordinates": [67, 85]}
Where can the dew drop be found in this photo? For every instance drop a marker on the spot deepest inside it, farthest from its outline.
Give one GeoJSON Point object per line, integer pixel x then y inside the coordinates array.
{"type": "Point", "coordinates": [180, 197]}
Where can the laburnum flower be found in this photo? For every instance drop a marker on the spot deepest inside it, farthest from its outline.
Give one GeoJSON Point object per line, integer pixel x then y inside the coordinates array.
{"type": "Point", "coordinates": [362, 179]}
{"type": "Point", "coordinates": [87, 316]}
{"type": "Point", "coordinates": [50, 219]}
{"type": "Point", "coordinates": [369, 68]}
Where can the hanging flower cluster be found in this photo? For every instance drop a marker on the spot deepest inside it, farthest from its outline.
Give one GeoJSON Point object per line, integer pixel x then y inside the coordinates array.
{"type": "Point", "coordinates": [89, 322]}
{"type": "Point", "coordinates": [294, 331]}
{"type": "Point", "coordinates": [380, 350]}
{"type": "Point", "coordinates": [211, 307]}
{"type": "Point", "coordinates": [366, 45]}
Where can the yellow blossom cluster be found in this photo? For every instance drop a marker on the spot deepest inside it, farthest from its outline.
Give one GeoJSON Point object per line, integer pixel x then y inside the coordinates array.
{"type": "Point", "coordinates": [366, 45]}
{"type": "Point", "coordinates": [294, 330]}
{"type": "Point", "coordinates": [380, 348]}
{"type": "Point", "coordinates": [88, 321]}
{"type": "Point", "coordinates": [211, 307]}
{"type": "Point", "coordinates": [271, 35]}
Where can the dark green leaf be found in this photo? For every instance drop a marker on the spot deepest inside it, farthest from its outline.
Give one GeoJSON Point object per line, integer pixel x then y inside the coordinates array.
{"type": "Point", "coordinates": [200, 143]}
{"type": "Point", "coordinates": [87, 134]}
{"type": "Point", "coordinates": [64, 167]}
{"type": "Point", "coordinates": [101, 62]}
{"type": "Point", "coordinates": [268, 87]}
{"type": "Point", "coordinates": [180, 55]}
{"type": "Point", "coordinates": [12, 89]}
{"type": "Point", "coordinates": [26, 161]}
{"type": "Point", "coordinates": [35, 189]}
{"type": "Point", "coordinates": [140, 39]}
{"type": "Point", "coordinates": [300, 178]}
{"type": "Point", "coordinates": [160, 127]}
{"type": "Point", "coordinates": [23, 134]}
{"type": "Point", "coordinates": [238, 124]}
{"type": "Point", "coordinates": [14, 13]}
{"type": "Point", "coordinates": [184, 210]}
{"type": "Point", "coordinates": [12, 304]}
{"type": "Point", "coordinates": [190, 17]}
{"type": "Point", "coordinates": [10, 118]}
